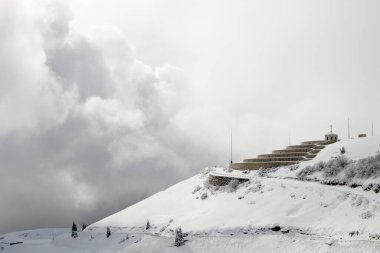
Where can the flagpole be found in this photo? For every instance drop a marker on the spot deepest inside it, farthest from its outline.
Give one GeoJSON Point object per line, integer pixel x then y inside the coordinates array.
{"type": "Point", "coordinates": [231, 146]}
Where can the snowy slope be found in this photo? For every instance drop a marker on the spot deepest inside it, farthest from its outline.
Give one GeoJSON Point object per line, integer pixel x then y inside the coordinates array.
{"type": "Point", "coordinates": [355, 149]}
{"type": "Point", "coordinates": [273, 212]}
{"type": "Point", "coordinates": [263, 202]}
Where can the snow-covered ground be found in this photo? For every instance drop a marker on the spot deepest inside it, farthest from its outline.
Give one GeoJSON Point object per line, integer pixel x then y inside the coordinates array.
{"type": "Point", "coordinates": [273, 212]}
{"type": "Point", "coordinates": [92, 242]}
{"type": "Point", "coordinates": [262, 203]}
{"type": "Point", "coordinates": [355, 149]}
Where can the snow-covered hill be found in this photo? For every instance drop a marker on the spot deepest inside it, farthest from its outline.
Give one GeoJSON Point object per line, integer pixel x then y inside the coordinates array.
{"type": "Point", "coordinates": [275, 211]}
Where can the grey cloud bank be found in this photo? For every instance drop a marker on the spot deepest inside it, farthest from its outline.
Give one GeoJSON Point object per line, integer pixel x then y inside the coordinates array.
{"type": "Point", "coordinates": [86, 128]}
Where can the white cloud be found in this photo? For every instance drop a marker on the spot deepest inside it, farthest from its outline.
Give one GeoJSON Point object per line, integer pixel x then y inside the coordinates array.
{"type": "Point", "coordinates": [112, 115]}
{"type": "Point", "coordinates": [31, 99]}
{"type": "Point", "coordinates": [96, 123]}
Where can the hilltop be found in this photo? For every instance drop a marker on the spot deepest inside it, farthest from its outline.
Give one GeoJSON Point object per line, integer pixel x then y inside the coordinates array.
{"type": "Point", "coordinates": [330, 203]}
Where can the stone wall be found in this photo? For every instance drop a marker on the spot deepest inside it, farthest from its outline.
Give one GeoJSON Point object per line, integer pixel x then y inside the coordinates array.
{"type": "Point", "coordinates": [221, 181]}
{"type": "Point", "coordinates": [259, 165]}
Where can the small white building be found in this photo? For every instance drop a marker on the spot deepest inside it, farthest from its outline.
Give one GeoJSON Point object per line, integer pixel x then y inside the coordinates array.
{"type": "Point", "coordinates": [331, 137]}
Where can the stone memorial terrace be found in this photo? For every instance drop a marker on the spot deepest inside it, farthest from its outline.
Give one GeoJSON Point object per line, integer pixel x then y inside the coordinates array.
{"type": "Point", "coordinates": [283, 157]}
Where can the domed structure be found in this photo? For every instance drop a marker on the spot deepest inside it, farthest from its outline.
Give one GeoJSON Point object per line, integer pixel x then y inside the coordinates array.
{"type": "Point", "coordinates": [331, 137]}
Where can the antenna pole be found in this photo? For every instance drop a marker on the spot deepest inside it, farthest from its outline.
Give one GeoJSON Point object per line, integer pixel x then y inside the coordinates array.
{"type": "Point", "coordinates": [231, 146]}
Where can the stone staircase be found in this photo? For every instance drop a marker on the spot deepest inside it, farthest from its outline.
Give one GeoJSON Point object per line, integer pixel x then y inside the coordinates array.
{"type": "Point", "coordinates": [291, 155]}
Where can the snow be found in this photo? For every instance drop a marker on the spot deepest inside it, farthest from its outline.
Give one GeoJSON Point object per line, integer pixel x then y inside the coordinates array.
{"type": "Point", "coordinates": [274, 212]}
{"type": "Point", "coordinates": [355, 149]}
{"type": "Point", "coordinates": [293, 204]}
{"type": "Point", "coordinates": [91, 242]}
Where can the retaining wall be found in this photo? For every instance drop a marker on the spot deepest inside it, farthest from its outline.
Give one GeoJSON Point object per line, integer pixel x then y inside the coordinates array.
{"type": "Point", "coordinates": [275, 159]}
{"type": "Point", "coordinates": [221, 181]}
{"type": "Point", "coordinates": [292, 154]}
{"type": "Point", "coordinates": [258, 165]}
{"type": "Point", "coordinates": [291, 150]}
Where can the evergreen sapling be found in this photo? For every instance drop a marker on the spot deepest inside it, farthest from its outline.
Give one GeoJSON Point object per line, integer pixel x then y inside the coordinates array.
{"type": "Point", "coordinates": [74, 233]}
{"type": "Point", "coordinates": [147, 225]}
{"type": "Point", "coordinates": [108, 232]}
{"type": "Point", "coordinates": [178, 237]}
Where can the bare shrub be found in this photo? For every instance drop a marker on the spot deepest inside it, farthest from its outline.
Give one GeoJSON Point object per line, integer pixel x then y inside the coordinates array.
{"type": "Point", "coordinates": [335, 166]}
{"type": "Point", "coordinates": [309, 170]}
{"type": "Point", "coordinates": [256, 187]}
{"type": "Point", "coordinates": [263, 172]}
{"type": "Point", "coordinates": [343, 171]}
{"type": "Point", "coordinates": [205, 171]}
{"type": "Point", "coordinates": [350, 172]}
{"type": "Point", "coordinates": [196, 188]}
{"type": "Point", "coordinates": [206, 184]}
{"type": "Point", "coordinates": [233, 185]}
{"type": "Point", "coordinates": [366, 215]}
{"type": "Point", "coordinates": [369, 167]}
{"type": "Point", "coordinates": [227, 169]}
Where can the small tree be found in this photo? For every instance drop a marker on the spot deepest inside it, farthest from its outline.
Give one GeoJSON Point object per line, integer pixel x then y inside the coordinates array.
{"type": "Point", "coordinates": [178, 237]}
{"type": "Point", "coordinates": [108, 232]}
{"type": "Point", "coordinates": [74, 230]}
{"type": "Point", "coordinates": [84, 226]}
{"type": "Point", "coordinates": [147, 225]}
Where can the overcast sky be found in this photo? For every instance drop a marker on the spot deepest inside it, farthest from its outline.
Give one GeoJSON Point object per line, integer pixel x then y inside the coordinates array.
{"type": "Point", "coordinates": [103, 103]}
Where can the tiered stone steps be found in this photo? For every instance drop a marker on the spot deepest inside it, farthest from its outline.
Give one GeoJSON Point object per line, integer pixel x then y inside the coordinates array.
{"type": "Point", "coordinates": [291, 155]}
